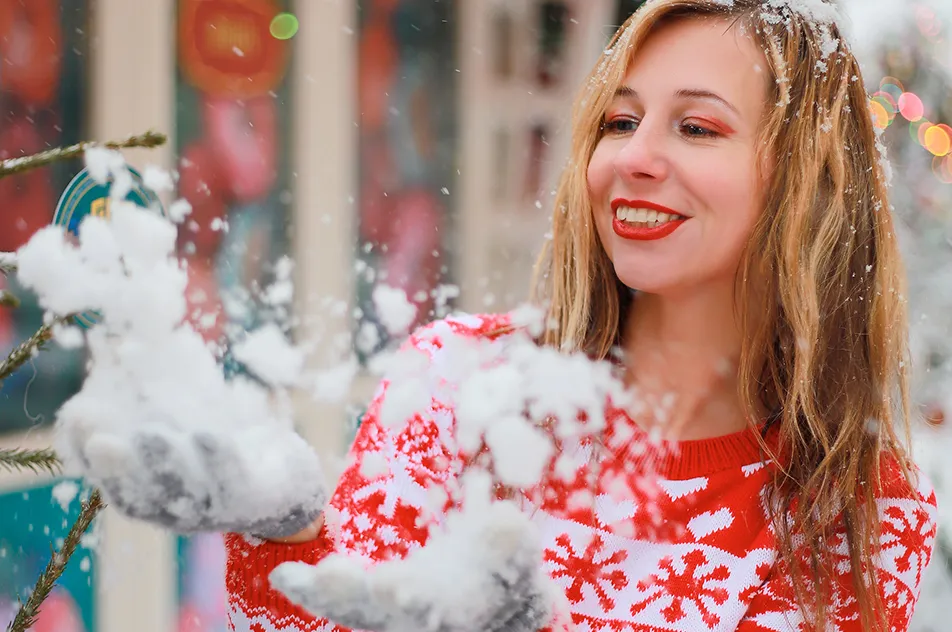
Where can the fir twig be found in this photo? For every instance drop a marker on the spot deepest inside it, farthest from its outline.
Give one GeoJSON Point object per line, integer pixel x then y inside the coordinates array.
{"type": "Point", "coordinates": [36, 460]}
{"type": "Point", "coordinates": [8, 299]}
{"type": "Point", "coordinates": [25, 351]}
{"type": "Point", "coordinates": [26, 615]}
{"type": "Point", "coordinates": [8, 263]}
{"type": "Point", "coordinates": [17, 165]}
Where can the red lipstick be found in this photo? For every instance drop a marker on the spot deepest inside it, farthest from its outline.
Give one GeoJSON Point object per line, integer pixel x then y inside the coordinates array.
{"type": "Point", "coordinates": [639, 231]}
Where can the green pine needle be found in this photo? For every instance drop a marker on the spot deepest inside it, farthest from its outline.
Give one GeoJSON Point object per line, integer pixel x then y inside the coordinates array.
{"type": "Point", "coordinates": [35, 460]}
{"type": "Point", "coordinates": [26, 615]}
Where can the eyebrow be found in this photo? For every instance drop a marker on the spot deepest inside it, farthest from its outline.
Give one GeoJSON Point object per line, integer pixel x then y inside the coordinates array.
{"type": "Point", "coordinates": [624, 92]}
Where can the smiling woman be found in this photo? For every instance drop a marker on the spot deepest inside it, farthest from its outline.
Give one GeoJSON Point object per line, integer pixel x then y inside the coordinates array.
{"type": "Point", "coordinates": [720, 245]}
{"type": "Point", "coordinates": [679, 138]}
{"type": "Point", "coordinates": [768, 294]}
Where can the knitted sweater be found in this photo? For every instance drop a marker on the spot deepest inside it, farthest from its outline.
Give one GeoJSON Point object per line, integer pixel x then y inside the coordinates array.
{"type": "Point", "coordinates": [709, 563]}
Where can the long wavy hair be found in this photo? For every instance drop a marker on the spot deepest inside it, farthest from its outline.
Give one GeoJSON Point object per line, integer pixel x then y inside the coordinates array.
{"type": "Point", "coordinates": [827, 352]}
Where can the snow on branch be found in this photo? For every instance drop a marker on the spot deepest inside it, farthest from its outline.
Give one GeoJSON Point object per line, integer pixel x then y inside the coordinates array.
{"type": "Point", "coordinates": [29, 347]}
{"type": "Point", "coordinates": [11, 166]}
{"type": "Point", "coordinates": [8, 263]}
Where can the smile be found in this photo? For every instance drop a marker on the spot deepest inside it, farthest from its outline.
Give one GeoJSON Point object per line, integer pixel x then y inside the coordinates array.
{"type": "Point", "coordinates": [644, 220]}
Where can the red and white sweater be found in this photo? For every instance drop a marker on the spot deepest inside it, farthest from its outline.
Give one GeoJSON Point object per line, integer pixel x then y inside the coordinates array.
{"type": "Point", "coordinates": [618, 567]}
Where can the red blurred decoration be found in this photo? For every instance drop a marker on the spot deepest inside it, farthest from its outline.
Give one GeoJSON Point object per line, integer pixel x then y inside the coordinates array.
{"type": "Point", "coordinates": [411, 264]}
{"type": "Point", "coordinates": [200, 183]}
{"type": "Point", "coordinates": [31, 49]}
{"type": "Point", "coordinates": [377, 52]}
{"type": "Point", "coordinates": [27, 199]}
{"type": "Point", "coordinates": [244, 138]}
{"type": "Point", "coordinates": [226, 48]}
{"type": "Point", "coordinates": [59, 613]}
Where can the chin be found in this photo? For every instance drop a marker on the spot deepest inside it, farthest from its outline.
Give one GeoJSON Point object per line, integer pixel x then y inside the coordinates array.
{"type": "Point", "coordinates": [648, 274]}
{"type": "Point", "coordinates": [640, 281]}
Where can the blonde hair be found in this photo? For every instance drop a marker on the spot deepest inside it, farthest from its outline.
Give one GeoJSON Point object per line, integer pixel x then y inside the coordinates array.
{"type": "Point", "coordinates": [828, 359]}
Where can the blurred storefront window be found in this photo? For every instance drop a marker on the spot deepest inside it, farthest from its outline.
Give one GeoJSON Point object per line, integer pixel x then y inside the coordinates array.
{"type": "Point", "coordinates": [233, 117]}
{"type": "Point", "coordinates": [232, 141]}
{"type": "Point", "coordinates": [43, 104]}
{"type": "Point", "coordinates": [406, 90]}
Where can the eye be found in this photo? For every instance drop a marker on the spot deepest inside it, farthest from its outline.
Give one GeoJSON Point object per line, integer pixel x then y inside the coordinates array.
{"type": "Point", "coordinates": [620, 125]}
{"type": "Point", "coordinates": [694, 130]}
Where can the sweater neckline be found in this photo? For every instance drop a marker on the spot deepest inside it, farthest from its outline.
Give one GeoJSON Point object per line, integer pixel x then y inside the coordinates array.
{"type": "Point", "coordinates": [694, 458]}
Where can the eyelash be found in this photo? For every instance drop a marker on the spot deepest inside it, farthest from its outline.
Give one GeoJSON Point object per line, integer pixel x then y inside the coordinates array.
{"type": "Point", "coordinates": [612, 127]}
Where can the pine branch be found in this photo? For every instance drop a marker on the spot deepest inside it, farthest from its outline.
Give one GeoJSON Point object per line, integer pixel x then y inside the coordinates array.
{"type": "Point", "coordinates": [8, 299]}
{"type": "Point", "coordinates": [36, 460]}
{"type": "Point", "coordinates": [18, 165]}
{"type": "Point", "coordinates": [8, 263]}
{"type": "Point", "coordinates": [25, 351]}
{"type": "Point", "coordinates": [26, 616]}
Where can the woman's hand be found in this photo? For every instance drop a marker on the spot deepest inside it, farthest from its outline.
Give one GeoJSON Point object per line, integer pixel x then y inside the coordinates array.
{"type": "Point", "coordinates": [263, 481]}
{"type": "Point", "coordinates": [305, 535]}
{"type": "Point", "coordinates": [482, 574]}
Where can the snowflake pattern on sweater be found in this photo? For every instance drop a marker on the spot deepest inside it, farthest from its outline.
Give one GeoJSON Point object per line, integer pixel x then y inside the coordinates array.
{"type": "Point", "coordinates": [694, 550]}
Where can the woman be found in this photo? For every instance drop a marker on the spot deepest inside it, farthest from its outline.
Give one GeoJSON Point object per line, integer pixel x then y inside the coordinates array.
{"type": "Point", "coordinates": [724, 165]}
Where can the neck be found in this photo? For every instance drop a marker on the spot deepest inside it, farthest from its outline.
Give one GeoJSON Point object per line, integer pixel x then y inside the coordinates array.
{"type": "Point", "coordinates": [682, 354]}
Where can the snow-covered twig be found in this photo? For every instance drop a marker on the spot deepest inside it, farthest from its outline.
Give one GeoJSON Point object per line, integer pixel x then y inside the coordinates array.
{"type": "Point", "coordinates": [26, 615]}
{"type": "Point", "coordinates": [36, 460]}
{"type": "Point", "coordinates": [25, 351]}
{"type": "Point", "coordinates": [18, 165]}
{"type": "Point", "coordinates": [8, 263]}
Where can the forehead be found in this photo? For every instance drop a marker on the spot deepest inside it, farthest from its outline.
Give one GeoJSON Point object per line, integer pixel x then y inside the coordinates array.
{"type": "Point", "coordinates": [700, 53]}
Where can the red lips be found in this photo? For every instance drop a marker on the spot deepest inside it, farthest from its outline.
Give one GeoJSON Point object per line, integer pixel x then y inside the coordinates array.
{"type": "Point", "coordinates": [641, 232]}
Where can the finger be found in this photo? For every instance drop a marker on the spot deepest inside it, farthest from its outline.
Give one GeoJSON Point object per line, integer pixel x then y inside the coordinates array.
{"type": "Point", "coordinates": [241, 498]}
{"type": "Point", "coordinates": [336, 589]}
{"type": "Point", "coordinates": [526, 607]}
{"type": "Point", "coordinates": [176, 490]}
{"type": "Point", "coordinates": [223, 470]}
{"type": "Point", "coordinates": [110, 466]}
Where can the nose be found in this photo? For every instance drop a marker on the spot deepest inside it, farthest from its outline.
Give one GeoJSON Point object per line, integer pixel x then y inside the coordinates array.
{"type": "Point", "coordinates": [644, 156]}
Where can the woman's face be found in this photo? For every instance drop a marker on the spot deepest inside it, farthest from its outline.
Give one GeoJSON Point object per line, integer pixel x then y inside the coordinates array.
{"type": "Point", "coordinates": [673, 180]}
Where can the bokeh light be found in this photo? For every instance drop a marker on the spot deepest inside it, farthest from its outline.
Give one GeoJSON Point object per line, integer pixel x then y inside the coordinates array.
{"type": "Point", "coordinates": [915, 127]}
{"type": "Point", "coordinates": [942, 168]}
{"type": "Point", "coordinates": [881, 118]}
{"type": "Point", "coordinates": [937, 140]}
{"type": "Point", "coordinates": [284, 26]}
{"type": "Point", "coordinates": [892, 87]}
{"type": "Point", "coordinates": [911, 106]}
{"type": "Point", "coordinates": [921, 132]}
{"type": "Point", "coordinates": [888, 101]}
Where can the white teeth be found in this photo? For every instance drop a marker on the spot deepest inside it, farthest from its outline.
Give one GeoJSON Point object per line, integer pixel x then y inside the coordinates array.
{"type": "Point", "coordinates": [644, 216]}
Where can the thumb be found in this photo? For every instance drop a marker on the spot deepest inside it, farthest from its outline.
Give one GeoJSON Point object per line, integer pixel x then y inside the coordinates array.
{"type": "Point", "coordinates": [337, 589]}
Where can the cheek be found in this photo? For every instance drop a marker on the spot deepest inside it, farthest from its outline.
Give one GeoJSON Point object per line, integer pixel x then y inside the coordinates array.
{"type": "Point", "coordinates": [736, 197]}
{"type": "Point", "coordinates": [601, 172]}
{"type": "Point", "coordinates": [600, 175]}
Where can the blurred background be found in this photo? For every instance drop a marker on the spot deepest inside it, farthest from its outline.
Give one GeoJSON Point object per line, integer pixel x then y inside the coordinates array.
{"type": "Point", "coordinates": [411, 142]}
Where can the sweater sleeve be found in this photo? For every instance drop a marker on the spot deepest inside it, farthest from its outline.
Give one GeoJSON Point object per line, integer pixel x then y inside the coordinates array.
{"type": "Point", "coordinates": [907, 537]}
{"type": "Point", "coordinates": [382, 507]}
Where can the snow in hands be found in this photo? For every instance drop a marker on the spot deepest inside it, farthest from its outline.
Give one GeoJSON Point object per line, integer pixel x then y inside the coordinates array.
{"type": "Point", "coordinates": [482, 574]}
{"type": "Point", "coordinates": [156, 425]}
